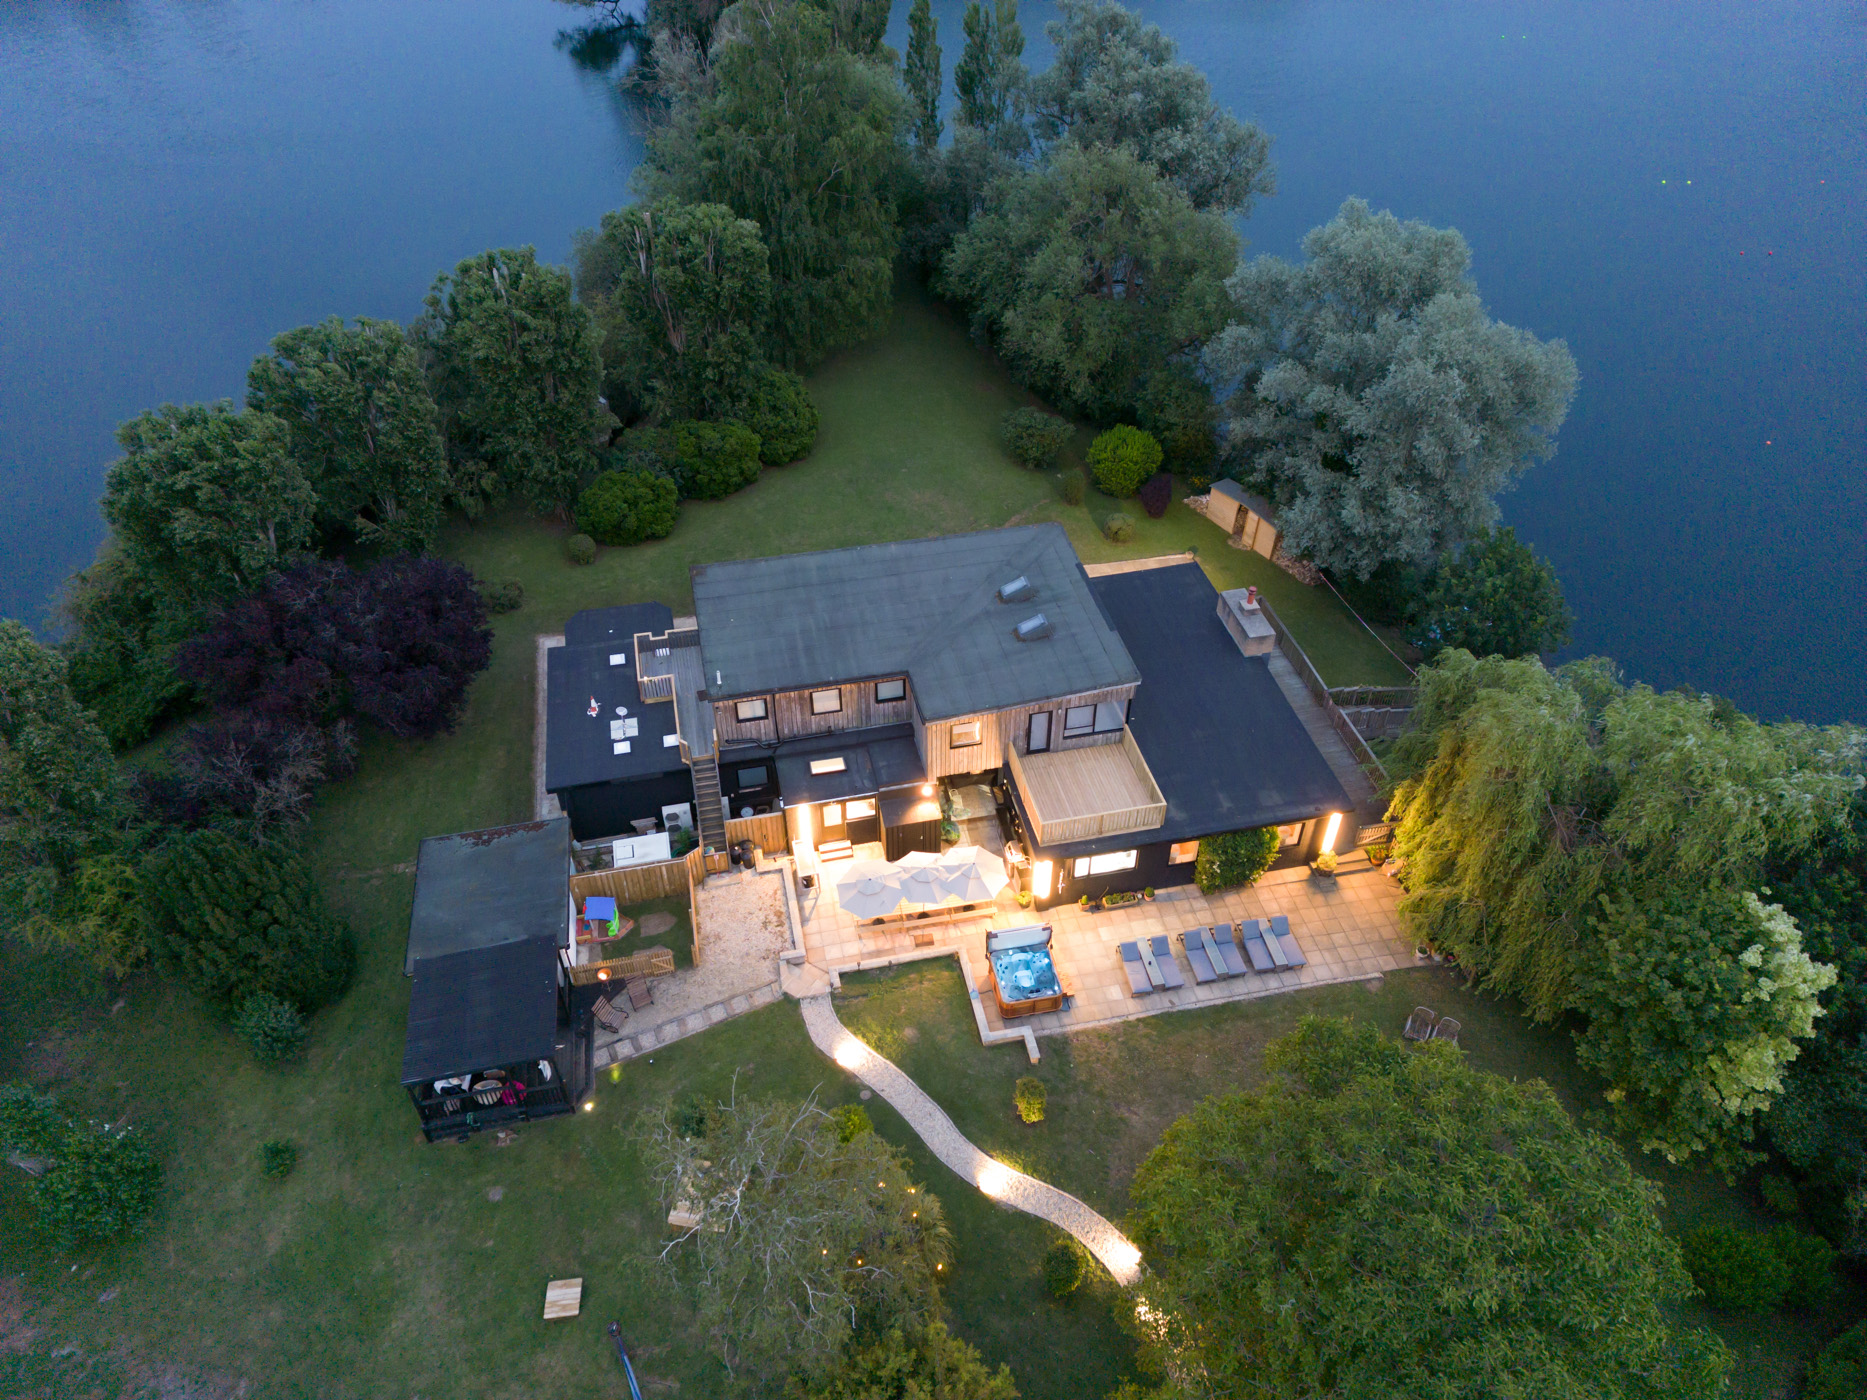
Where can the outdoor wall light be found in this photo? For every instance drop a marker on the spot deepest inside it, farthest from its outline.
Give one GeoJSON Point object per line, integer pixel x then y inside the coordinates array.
{"type": "Point", "coordinates": [1331, 831]}
{"type": "Point", "coordinates": [1041, 875]}
{"type": "Point", "coordinates": [926, 789]}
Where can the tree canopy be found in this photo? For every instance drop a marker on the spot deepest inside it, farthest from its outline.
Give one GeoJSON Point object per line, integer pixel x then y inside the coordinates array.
{"type": "Point", "coordinates": [1368, 393]}
{"type": "Point", "coordinates": [1491, 596]}
{"type": "Point", "coordinates": [1116, 81]}
{"type": "Point", "coordinates": [362, 427]}
{"type": "Point", "coordinates": [802, 137]}
{"type": "Point", "coordinates": [1389, 1223]}
{"type": "Point", "coordinates": [990, 78]}
{"type": "Point", "coordinates": [120, 648]}
{"type": "Point", "coordinates": [920, 75]}
{"type": "Point", "coordinates": [929, 1364]}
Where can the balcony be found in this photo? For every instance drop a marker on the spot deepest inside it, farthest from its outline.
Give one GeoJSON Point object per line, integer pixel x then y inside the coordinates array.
{"type": "Point", "coordinates": [1080, 794]}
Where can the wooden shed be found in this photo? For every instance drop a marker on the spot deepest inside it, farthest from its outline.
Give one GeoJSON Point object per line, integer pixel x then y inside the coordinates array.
{"type": "Point", "coordinates": [1243, 516]}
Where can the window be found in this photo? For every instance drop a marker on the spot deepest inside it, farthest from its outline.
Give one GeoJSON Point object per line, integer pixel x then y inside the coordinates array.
{"type": "Point", "coordinates": [967, 735]}
{"type": "Point", "coordinates": [858, 808]}
{"type": "Point", "coordinates": [820, 766]}
{"type": "Point", "coordinates": [1039, 739]}
{"type": "Point", "coordinates": [749, 711]}
{"type": "Point", "coordinates": [832, 814]}
{"type": "Point", "coordinates": [752, 777]}
{"type": "Point", "coordinates": [1111, 715]}
{"type": "Point", "coordinates": [1108, 863]}
{"type": "Point", "coordinates": [887, 691]}
{"type": "Point", "coordinates": [1290, 835]}
{"type": "Point", "coordinates": [1079, 719]}
{"type": "Point", "coordinates": [826, 702]}
{"type": "Point", "coordinates": [1182, 852]}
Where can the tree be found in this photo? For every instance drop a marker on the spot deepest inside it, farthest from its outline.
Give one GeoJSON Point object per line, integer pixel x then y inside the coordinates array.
{"type": "Point", "coordinates": [1370, 396]}
{"type": "Point", "coordinates": [1234, 858]}
{"type": "Point", "coordinates": [513, 364]}
{"type": "Point", "coordinates": [928, 1364]}
{"type": "Point", "coordinates": [1092, 275]}
{"type": "Point", "coordinates": [1118, 82]}
{"type": "Point", "coordinates": [1492, 597]}
{"type": "Point", "coordinates": [1034, 437]}
{"type": "Point", "coordinates": [778, 408]}
{"type": "Point", "coordinates": [205, 501]}
{"type": "Point", "coordinates": [804, 1236]}
{"type": "Point", "coordinates": [803, 138]}
{"type": "Point", "coordinates": [362, 428]}
{"type": "Point", "coordinates": [235, 920]}
{"type": "Point", "coordinates": [921, 76]}
{"type": "Point", "coordinates": [681, 294]}
{"type": "Point", "coordinates": [1392, 1223]}
{"type": "Point", "coordinates": [990, 78]}
{"type": "Point", "coordinates": [261, 771]}
{"type": "Point", "coordinates": [101, 1183]}
{"type": "Point", "coordinates": [62, 799]}
{"type": "Point", "coordinates": [627, 507]}
{"type": "Point", "coordinates": [713, 460]}
{"type": "Point", "coordinates": [120, 648]}
{"type": "Point", "coordinates": [857, 26]}
{"type": "Point", "coordinates": [1122, 458]}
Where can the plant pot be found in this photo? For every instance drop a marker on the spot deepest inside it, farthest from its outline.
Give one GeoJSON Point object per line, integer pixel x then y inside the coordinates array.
{"type": "Point", "coordinates": [1326, 877]}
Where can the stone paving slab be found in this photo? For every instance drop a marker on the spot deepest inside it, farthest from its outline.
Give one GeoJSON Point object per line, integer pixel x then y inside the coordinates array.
{"type": "Point", "coordinates": [628, 1046]}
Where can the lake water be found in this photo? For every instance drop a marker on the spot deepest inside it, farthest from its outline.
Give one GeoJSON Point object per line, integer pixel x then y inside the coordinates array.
{"type": "Point", "coordinates": [1675, 189]}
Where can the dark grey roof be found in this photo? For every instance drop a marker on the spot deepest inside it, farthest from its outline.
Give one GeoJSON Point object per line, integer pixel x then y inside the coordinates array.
{"type": "Point", "coordinates": [925, 607]}
{"type": "Point", "coordinates": [578, 746]}
{"type": "Point", "coordinates": [482, 1008]}
{"type": "Point", "coordinates": [874, 759]}
{"type": "Point", "coordinates": [481, 889]}
{"type": "Point", "coordinates": [1213, 724]}
{"type": "Point", "coordinates": [1225, 486]}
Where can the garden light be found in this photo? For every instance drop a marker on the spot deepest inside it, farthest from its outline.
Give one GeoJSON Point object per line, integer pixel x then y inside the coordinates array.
{"type": "Point", "coordinates": [1331, 831]}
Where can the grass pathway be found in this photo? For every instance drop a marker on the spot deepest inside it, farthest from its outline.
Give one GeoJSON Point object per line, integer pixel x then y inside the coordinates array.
{"type": "Point", "coordinates": [1000, 1182]}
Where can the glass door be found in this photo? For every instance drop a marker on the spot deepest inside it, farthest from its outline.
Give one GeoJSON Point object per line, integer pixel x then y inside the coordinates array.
{"type": "Point", "coordinates": [1039, 739]}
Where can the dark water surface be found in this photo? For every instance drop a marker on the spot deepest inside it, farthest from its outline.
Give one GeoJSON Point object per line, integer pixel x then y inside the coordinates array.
{"type": "Point", "coordinates": [1675, 189]}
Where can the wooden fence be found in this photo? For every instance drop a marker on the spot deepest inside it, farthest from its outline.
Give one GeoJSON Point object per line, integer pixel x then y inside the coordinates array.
{"type": "Point", "coordinates": [633, 883]}
{"type": "Point", "coordinates": [652, 962]}
{"type": "Point", "coordinates": [767, 832]}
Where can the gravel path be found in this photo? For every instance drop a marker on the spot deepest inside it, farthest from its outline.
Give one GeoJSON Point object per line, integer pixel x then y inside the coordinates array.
{"type": "Point", "coordinates": [1000, 1182]}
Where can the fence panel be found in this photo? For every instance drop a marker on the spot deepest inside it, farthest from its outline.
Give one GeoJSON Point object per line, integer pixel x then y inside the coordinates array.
{"type": "Point", "coordinates": [651, 962]}
{"type": "Point", "coordinates": [634, 883]}
{"type": "Point", "coordinates": [766, 831]}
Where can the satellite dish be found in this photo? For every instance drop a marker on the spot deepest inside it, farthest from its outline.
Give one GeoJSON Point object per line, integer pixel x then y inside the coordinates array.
{"type": "Point", "coordinates": [622, 709]}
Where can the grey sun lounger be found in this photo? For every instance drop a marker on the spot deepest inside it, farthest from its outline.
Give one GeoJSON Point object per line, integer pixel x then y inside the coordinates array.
{"type": "Point", "coordinates": [1169, 969]}
{"type": "Point", "coordinates": [1136, 970]}
{"type": "Point", "coordinates": [1196, 957]}
{"type": "Point", "coordinates": [1251, 939]}
{"type": "Point", "coordinates": [1286, 942]}
{"type": "Point", "coordinates": [1231, 961]}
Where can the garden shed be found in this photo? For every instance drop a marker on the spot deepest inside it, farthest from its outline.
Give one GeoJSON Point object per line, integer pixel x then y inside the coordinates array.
{"type": "Point", "coordinates": [1248, 519]}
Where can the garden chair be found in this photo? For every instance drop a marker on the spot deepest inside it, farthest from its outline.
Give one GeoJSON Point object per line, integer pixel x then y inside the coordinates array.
{"type": "Point", "coordinates": [1286, 943]}
{"type": "Point", "coordinates": [1170, 977]}
{"type": "Point", "coordinates": [1446, 1029]}
{"type": "Point", "coordinates": [640, 993]}
{"type": "Point", "coordinates": [1251, 939]}
{"type": "Point", "coordinates": [1203, 970]}
{"type": "Point", "coordinates": [608, 1014]}
{"type": "Point", "coordinates": [1420, 1024]}
{"type": "Point", "coordinates": [1136, 970]}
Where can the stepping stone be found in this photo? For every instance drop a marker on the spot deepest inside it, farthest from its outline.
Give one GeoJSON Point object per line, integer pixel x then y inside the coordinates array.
{"type": "Point", "coordinates": [655, 925]}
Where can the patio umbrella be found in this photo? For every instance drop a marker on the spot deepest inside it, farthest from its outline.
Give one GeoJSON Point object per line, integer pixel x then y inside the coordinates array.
{"type": "Point", "coordinates": [924, 884]}
{"type": "Point", "coordinates": [868, 889]}
{"type": "Point", "coordinates": [972, 874]}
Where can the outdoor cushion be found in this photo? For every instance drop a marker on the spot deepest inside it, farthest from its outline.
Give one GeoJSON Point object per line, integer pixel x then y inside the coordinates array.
{"type": "Point", "coordinates": [1287, 941]}
{"type": "Point", "coordinates": [1203, 970]}
{"type": "Point", "coordinates": [1232, 961]}
{"type": "Point", "coordinates": [1136, 970]}
{"type": "Point", "coordinates": [1251, 936]}
{"type": "Point", "coordinates": [1169, 969]}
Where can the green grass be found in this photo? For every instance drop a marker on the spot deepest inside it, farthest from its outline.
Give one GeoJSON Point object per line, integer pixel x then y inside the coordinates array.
{"type": "Point", "coordinates": [678, 940]}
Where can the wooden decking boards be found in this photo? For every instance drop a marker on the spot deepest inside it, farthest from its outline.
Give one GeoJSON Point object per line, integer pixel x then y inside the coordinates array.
{"type": "Point", "coordinates": [1077, 794]}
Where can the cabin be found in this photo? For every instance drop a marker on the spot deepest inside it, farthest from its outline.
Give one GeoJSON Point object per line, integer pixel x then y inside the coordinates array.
{"type": "Point", "coordinates": [1246, 518]}
{"type": "Point", "coordinates": [492, 1035]}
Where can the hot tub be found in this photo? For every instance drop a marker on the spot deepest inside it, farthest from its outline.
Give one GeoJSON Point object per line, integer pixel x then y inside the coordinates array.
{"type": "Point", "coordinates": [1024, 980]}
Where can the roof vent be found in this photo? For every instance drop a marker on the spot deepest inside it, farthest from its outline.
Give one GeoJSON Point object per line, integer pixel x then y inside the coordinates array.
{"type": "Point", "coordinates": [1034, 628]}
{"type": "Point", "coordinates": [1017, 590]}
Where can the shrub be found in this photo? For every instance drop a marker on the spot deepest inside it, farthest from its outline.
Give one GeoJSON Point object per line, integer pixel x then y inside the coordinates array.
{"type": "Point", "coordinates": [1035, 438]}
{"type": "Point", "coordinates": [1779, 1194]}
{"type": "Point", "coordinates": [1840, 1372]}
{"type": "Point", "coordinates": [1064, 1267]}
{"type": "Point", "coordinates": [688, 1116]}
{"type": "Point", "coordinates": [1072, 487]}
{"type": "Point", "coordinates": [1234, 858]}
{"type": "Point", "coordinates": [103, 1186]}
{"type": "Point", "coordinates": [272, 1026]}
{"type": "Point", "coordinates": [580, 549]}
{"type": "Point", "coordinates": [627, 507]}
{"type": "Point", "coordinates": [1157, 494]}
{"type": "Point", "coordinates": [1807, 1263]}
{"type": "Point", "coordinates": [508, 595]}
{"type": "Point", "coordinates": [277, 1158]}
{"type": "Point", "coordinates": [1119, 528]}
{"type": "Point", "coordinates": [1122, 458]}
{"type": "Point", "coordinates": [778, 408]}
{"type": "Point", "coordinates": [1738, 1272]}
{"type": "Point", "coordinates": [30, 1122]}
{"type": "Point", "coordinates": [261, 771]}
{"type": "Point", "coordinates": [852, 1121]}
{"type": "Point", "coordinates": [713, 460]}
{"type": "Point", "coordinates": [1030, 1098]}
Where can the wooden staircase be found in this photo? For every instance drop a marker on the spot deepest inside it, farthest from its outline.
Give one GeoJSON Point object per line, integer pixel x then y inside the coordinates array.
{"type": "Point", "coordinates": [709, 807]}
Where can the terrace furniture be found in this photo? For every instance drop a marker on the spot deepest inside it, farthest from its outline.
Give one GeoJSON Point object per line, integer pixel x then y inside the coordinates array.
{"type": "Point", "coordinates": [1274, 945]}
{"type": "Point", "coordinates": [1138, 982]}
{"type": "Point", "coordinates": [1214, 954]}
{"type": "Point", "coordinates": [1203, 970]}
{"type": "Point", "coordinates": [1169, 969]}
{"type": "Point", "coordinates": [640, 993]}
{"type": "Point", "coordinates": [1445, 1028]}
{"type": "Point", "coordinates": [608, 1014]}
{"type": "Point", "coordinates": [1420, 1024]}
{"type": "Point", "coordinates": [1230, 959]}
{"type": "Point", "coordinates": [1152, 964]}
{"type": "Point", "coordinates": [1286, 942]}
{"type": "Point", "coordinates": [1251, 939]}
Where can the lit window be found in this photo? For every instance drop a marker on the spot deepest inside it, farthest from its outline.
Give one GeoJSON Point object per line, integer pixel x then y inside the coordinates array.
{"type": "Point", "coordinates": [1110, 716]}
{"type": "Point", "coordinates": [886, 691]}
{"type": "Point", "coordinates": [821, 766]}
{"type": "Point", "coordinates": [832, 814]}
{"type": "Point", "coordinates": [859, 808]}
{"type": "Point", "coordinates": [749, 711]}
{"type": "Point", "coordinates": [1079, 719]}
{"type": "Point", "coordinates": [1290, 835]}
{"type": "Point", "coordinates": [968, 734]}
{"type": "Point", "coordinates": [1108, 863]}
{"type": "Point", "coordinates": [826, 702]}
{"type": "Point", "coordinates": [1182, 852]}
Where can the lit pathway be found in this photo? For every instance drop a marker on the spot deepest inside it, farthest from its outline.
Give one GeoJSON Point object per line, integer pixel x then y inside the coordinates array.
{"type": "Point", "coordinates": [1000, 1182]}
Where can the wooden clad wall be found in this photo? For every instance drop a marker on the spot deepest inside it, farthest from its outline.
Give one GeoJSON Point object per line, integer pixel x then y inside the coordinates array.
{"type": "Point", "coordinates": [1002, 730]}
{"type": "Point", "coordinates": [789, 716]}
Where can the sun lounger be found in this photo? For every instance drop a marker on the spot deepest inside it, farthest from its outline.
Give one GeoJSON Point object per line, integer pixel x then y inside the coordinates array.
{"type": "Point", "coordinates": [1196, 957]}
{"type": "Point", "coordinates": [1273, 944]}
{"type": "Point", "coordinates": [1420, 1024]}
{"type": "Point", "coordinates": [1231, 961]}
{"type": "Point", "coordinates": [1214, 953]}
{"type": "Point", "coordinates": [1286, 942]}
{"type": "Point", "coordinates": [1251, 939]}
{"type": "Point", "coordinates": [1136, 970]}
{"type": "Point", "coordinates": [1169, 969]}
{"type": "Point", "coordinates": [1445, 1028]}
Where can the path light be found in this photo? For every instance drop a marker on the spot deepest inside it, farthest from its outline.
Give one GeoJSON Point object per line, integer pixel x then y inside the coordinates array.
{"type": "Point", "coordinates": [1331, 831]}
{"type": "Point", "coordinates": [848, 1053]}
{"type": "Point", "coordinates": [1124, 1261]}
{"type": "Point", "coordinates": [994, 1178]}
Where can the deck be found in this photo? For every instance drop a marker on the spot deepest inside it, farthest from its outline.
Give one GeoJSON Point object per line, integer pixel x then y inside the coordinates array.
{"type": "Point", "coordinates": [668, 668]}
{"type": "Point", "coordinates": [1080, 794]}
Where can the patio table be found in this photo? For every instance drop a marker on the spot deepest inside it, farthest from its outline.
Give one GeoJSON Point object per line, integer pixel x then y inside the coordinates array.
{"type": "Point", "coordinates": [1152, 964]}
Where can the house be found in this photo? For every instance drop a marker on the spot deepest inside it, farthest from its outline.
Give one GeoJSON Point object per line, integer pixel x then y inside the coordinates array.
{"type": "Point", "coordinates": [612, 757]}
{"type": "Point", "coordinates": [492, 1038]}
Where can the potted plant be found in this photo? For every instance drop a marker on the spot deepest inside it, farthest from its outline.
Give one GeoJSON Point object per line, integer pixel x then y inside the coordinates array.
{"type": "Point", "coordinates": [1115, 901]}
{"type": "Point", "coordinates": [1148, 893]}
{"type": "Point", "coordinates": [1323, 868]}
{"type": "Point", "coordinates": [1083, 901]}
{"type": "Point", "coordinates": [1377, 853]}
{"type": "Point", "coordinates": [1024, 899]}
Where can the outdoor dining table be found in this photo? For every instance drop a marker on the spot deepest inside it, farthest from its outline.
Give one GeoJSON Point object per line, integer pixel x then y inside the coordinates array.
{"type": "Point", "coordinates": [1151, 964]}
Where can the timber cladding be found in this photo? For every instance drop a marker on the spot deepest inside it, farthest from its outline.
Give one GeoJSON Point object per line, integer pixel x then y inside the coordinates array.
{"type": "Point", "coordinates": [1002, 730]}
{"type": "Point", "coordinates": [766, 831]}
{"type": "Point", "coordinates": [789, 714]}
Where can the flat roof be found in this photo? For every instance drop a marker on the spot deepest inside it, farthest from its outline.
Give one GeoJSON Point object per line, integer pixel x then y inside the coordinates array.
{"type": "Point", "coordinates": [580, 748]}
{"type": "Point", "coordinates": [874, 760]}
{"type": "Point", "coordinates": [924, 608]}
{"type": "Point", "coordinates": [1213, 724]}
{"type": "Point", "coordinates": [481, 1008]}
{"type": "Point", "coordinates": [484, 889]}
